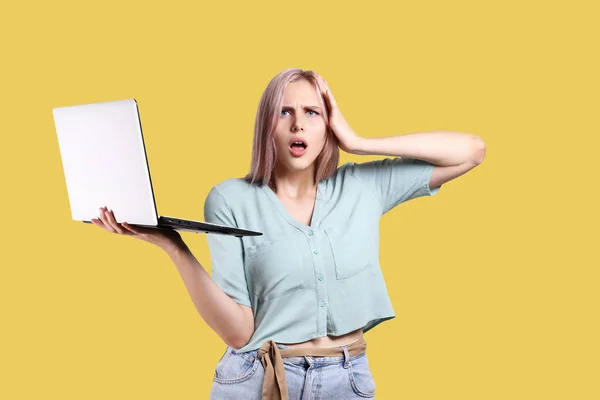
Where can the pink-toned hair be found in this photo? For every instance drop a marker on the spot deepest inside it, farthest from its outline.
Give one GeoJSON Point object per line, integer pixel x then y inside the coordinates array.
{"type": "Point", "coordinates": [264, 154]}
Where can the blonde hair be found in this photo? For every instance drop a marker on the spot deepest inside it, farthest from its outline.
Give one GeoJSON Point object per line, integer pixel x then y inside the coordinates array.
{"type": "Point", "coordinates": [267, 116]}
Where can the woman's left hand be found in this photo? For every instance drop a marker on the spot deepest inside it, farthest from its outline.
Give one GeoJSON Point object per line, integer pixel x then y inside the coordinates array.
{"type": "Point", "coordinates": [347, 138]}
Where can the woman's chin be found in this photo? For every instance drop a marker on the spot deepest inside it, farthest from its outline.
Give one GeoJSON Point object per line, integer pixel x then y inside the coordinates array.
{"type": "Point", "coordinates": [299, 163]}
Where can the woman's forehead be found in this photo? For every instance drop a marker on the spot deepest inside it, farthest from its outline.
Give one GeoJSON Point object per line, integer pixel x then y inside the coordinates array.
{"type": "Point", "coordinates": [301, 95]}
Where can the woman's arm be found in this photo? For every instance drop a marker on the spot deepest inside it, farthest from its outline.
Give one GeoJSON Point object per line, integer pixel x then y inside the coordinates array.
{"type": "Point", "coordinates": [442, 148]}
{"type": "Point", "coordinates": [233, 322]}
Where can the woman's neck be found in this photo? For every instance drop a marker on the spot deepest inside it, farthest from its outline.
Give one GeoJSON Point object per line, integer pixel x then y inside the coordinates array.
{"type": "Point", "coordinates": [294, 184]}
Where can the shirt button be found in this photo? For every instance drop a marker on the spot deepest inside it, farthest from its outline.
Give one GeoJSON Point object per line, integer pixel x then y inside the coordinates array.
{"type": "Point", "coordinates": [316, 251]}
{"type": "Point", "coordinates": [322, 304]}
{"type": "Point", "coordinates": [321, 277]}
{"type": "Point", "coordinates": [310, 233]}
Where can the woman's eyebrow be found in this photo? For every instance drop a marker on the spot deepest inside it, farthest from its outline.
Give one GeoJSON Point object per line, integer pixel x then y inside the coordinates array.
{"type": "Point", "coordinates": [317, 107]}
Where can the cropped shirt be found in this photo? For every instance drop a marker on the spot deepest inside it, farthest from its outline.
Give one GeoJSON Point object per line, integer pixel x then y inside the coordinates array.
{"type": "Point", "coordinates": [307, 281]}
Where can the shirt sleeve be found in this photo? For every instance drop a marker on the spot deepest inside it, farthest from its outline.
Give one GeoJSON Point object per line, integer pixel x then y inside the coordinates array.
{"type": "Point", "coordinates": [395, 180]}
{"type": "Point", "coordinates": [226, 251]}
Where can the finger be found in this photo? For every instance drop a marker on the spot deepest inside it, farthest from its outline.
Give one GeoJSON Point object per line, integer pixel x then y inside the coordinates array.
{"type": "Point", "coordinates": [328, 104]}
{"type": "Point", "coordinates": [129, 228]}
{"type": "Point", "coordinates": [326, 100]}
{"type": "Point", "coordinates": [113, 222]}
{"type": "Point", "coordinates": [98, 223]}
{"type": "Point", "coordinates": [103, 218]}
{"type": "Point", "coordinates": [324, 86]}
{"type": "Point", "coordinates": [323, 83]}
{"type": "Point", "coordinates": [331, 98]}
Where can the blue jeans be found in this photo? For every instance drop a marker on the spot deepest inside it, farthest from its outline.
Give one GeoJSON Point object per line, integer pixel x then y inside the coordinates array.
{"type": "Point", "coordinates": [240, 376]}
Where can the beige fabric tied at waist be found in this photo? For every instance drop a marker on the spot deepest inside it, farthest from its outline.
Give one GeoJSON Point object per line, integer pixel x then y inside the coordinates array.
{"type": "Point", "coordinates": [274, 383]}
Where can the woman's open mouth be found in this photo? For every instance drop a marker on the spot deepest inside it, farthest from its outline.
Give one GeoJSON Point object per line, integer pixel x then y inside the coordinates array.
{"type": "Point", "coordinates": [298, 148]}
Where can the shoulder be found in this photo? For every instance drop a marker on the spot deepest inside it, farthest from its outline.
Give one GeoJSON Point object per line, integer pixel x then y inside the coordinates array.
{"type": "Point", "coordinates": [225, 200]}
{"type": "Point", "coordinates": [341, 171]}
{"type": "Point", "coordinates": [231, 190]}
{"type": "Point", "coordinates": [353, 171]}
{"type": "Point", "coordinates": [233, 185]}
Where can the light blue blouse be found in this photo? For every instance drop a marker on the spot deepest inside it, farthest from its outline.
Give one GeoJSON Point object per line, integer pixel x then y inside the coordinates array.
{"type": "Point", "coordinates": [301, 281]}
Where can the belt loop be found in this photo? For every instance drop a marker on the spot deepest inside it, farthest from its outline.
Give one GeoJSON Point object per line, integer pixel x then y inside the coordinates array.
{"type": "Point", "coordinates": [346, 356]}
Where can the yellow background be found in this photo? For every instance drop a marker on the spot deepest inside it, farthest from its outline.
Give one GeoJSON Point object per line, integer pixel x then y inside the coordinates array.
{"type": "Point", "coordinates": [494, 280]}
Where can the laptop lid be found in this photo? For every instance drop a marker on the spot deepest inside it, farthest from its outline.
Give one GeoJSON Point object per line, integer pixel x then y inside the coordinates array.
{"type": "Point", "coordinates": [104, 161]}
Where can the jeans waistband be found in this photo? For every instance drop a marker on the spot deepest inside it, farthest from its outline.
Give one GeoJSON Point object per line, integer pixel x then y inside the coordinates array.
{"type": "Point", "coordinates": [275, 385]}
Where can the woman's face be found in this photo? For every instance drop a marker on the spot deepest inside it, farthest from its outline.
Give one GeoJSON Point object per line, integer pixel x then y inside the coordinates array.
{"type": "Point", "coordinates": [300, 118]}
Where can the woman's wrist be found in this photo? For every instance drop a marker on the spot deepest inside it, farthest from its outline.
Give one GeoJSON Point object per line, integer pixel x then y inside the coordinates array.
{"type": "Point", "coordinates": [173, 246]}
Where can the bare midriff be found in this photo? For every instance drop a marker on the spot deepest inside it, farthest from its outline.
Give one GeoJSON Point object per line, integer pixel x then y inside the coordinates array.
{"type": "Point", "coordinates": [328, 341]}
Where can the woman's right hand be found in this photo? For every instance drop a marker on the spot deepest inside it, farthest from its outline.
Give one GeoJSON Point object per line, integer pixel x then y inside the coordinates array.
{"type": "Point", "coordinates": [159, 237]}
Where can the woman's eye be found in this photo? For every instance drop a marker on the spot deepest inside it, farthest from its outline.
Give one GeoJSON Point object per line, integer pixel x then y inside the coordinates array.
{"type": "Point", "coordinates": [315, 113]}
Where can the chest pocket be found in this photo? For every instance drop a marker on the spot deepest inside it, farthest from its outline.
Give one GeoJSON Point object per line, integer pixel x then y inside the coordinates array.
{"type": "Point", "coordinates": [275, 268]}
{"type": "Point", "coordinates": [354, 249]}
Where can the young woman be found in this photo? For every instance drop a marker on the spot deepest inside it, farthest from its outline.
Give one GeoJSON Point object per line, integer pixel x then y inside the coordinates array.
{"type": "Point", "coordinates": [308, 289]}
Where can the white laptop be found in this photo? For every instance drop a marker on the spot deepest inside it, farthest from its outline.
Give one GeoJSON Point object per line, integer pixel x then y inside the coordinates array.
{"type": "Point", "coordinates": [105, 164]}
